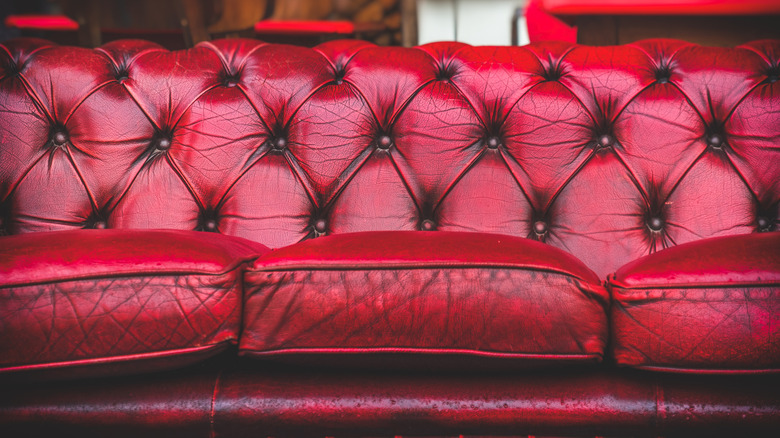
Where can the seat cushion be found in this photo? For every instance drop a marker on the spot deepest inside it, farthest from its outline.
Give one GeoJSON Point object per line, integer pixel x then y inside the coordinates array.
{"type": "Point", "coordinates": [105, 301]}
{"type": "Point", "coordinates": [706, 306]}
{"type": "Point", "coordinates": [414, 295]}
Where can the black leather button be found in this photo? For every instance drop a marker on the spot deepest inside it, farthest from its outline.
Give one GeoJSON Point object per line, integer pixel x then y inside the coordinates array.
{"type": "Point", "coordinates": [384, 142]}
{"type": "Point", "coordinates": [11, 68]}
{"type": "Point", "coordinates": [715, 141]}
{"type": "Point", "coordinates": [59, 137]}
{"type": "Point", "coordinates": [279, 143]}
{"type": "Point", "coordinates": [445, 73]}
{"type": "Point", "coordinates": [773, 74]}
{"type": "Point", "coordinates": [606, 141]}
{"type": "Point", "coordinates": [339, 76]}
{"type": "Point", "coordinates": [428, 225]}
{"type": "Point", "coordinates": [664, 72]}
{"type": "Point", "coordinates": [320, 226]}
{"type": "Point", "coordinates": [655, 223]}
{"type": "Point", "coordinates": [540, 227]}
{"type": "Point", "coordinates": [552, 73]}
{"type": "Point", "coordinates": [163, 143]}
{"type": "Point", "coordinates": [493, 142]}
{"type": "Point", "coordinates": [231, 79]}
{"type": "Point", "coordinates": [764, 224]}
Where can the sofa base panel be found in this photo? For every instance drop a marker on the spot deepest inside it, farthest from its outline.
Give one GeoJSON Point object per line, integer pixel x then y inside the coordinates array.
{"type": "Point", "coordinates": [248, 399]}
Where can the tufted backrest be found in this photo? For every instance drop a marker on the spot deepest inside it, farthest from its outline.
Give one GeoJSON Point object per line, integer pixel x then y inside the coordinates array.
{"type": "Point", "coordinates": [609, 153]}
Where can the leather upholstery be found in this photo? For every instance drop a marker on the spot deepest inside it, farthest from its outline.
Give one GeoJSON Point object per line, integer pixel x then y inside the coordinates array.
{"type": "Point", "coordinates": [606, 153]}
{"type": "Point", "coordinates": [102, 301]}
{"type": "Point", "coordinates": [609, 153]}
{"type": "Point", "coordinates": [706, 306]}
{"type": "Point", "coordinates": [283, 401]}
{"type": "Point", "coordinates": [423, 294]}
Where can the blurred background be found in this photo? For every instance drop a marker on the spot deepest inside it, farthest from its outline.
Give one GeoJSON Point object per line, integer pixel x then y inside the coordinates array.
{"type": "Point", "coordinates": [91, 22]}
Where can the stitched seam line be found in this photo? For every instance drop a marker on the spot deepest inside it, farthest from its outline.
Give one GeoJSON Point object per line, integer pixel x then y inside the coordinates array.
{"type": "Point", "coordinates": [212, 412]}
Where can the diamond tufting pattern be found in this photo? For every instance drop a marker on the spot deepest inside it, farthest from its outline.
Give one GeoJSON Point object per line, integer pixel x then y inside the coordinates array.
{"type": "Point", "coordinates": [610, 151]}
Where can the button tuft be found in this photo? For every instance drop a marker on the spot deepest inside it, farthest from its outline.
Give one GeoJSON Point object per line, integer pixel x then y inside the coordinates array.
{"type": "Point", "coordinates": [11, 68]}
{"type": "Point", "coordinates": [444, 73]}
{"type": "Point", "coordinates": [552, 73]}
{"type": "Point", "coordinates": [100, 225]}
{"type": "Point", "coordinates": [540, 227]}
{"type": "Point", "coordinates": [663, 72]}
{"type": "Point", "coordinates": [655, 224]}
{"type": "Point", "coordinates": [715, 141]}
{"type": "Point", "coordinates": [163, 143]}
{"type": "Point", "coordinates": [493, 142]}
{"type": "Point", "coordinates": [338, 77]}
{"type": "Point", "coordinates": [428, 225]}
{"type": "Point", "coordinates": [764, 224]}
{"type": "Point", "coordinates": [230, 79]}
{"type": "Point", "coordinates": [320, 226]}
{"type": "Point", "coordinates": [210, 225]}
{"type": "Point", "coordinates": [606, 141]}
{"type": "Point", "coordinates": [384, 142]}
{"type": "Point", "coordinates": [279, 143]}
{"type": "Point", "coordinates": [59, 137]}
{"type": "Point", "coordinates": [773, 73]}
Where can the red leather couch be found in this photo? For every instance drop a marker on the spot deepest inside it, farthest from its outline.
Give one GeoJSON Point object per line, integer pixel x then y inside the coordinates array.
{"type": "Point", "coordinates": [248, 239]}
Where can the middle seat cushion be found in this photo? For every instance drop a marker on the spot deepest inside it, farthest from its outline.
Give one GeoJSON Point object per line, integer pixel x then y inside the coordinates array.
{"type": "Point", "coordinates": [466, 295]}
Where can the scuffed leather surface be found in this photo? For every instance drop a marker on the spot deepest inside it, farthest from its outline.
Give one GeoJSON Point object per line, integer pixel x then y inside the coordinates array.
{"type": "Point", "coordinates": [116, 319]}
{"type": "Point", "coordinates": [168, 404]}
{"type": "Point", "coordinates": [267, 141]}
{"type": "Point", "coordinates": [706, 306]}
{"type": "Point", "coordinates": [251, 402]}
{"type": "Point", "coordinates": [492, 306]}
{"type": "Point", "coordinates": [551, 403]}
{"type": "Point", "coordinates": [92, 298]}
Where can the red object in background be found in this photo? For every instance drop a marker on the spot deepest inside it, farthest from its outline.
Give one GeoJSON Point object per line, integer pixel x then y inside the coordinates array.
{"type": "Point", "coordinates": [304, 27]}
{"type": "Point", "coordinates": [543, 26]}
{"type": "Point", "coordinates": [41, 22]}
{"type": "Point", "coordinates": [660, 7]}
